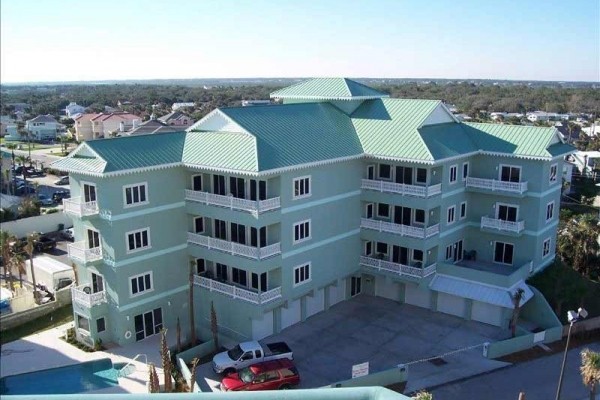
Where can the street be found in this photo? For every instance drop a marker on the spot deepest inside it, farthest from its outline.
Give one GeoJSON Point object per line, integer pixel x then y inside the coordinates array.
{"type": "Point", "coordinates": [537, 378]}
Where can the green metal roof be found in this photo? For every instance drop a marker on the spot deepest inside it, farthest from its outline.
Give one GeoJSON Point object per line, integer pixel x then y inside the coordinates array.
{"type": "Point", "coordinates": [388, 127]}
{"type": "Point", "coordinates": [447, 140]}
{"type": "Point", "coordinates": [77, 163]}
{"type": "Point", "coordinates": [328, 88]}
{"type": "Point", "coordinates": [227, 150]}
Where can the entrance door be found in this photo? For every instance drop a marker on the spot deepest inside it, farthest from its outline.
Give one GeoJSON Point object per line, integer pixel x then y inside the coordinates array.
{"type": "Point", "coordinates": [355, 284]}
{"type": "Point", "coordinates": [93, 239]}
{"type": "Point", "coordinates": [402, 215]}
{"type": "Point", "coordinates": [148, 324]}
{"type": "Point", "coordinates": [97, 283]}
{"type": "Point", "coordinates": [89, 193]}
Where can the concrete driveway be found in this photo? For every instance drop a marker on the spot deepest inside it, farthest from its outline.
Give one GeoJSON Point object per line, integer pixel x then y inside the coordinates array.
{"type": "Point", "coordinates": [385, 333]}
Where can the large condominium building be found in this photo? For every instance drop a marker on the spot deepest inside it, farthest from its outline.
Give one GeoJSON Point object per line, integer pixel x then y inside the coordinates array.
{"type": "Point", "coordinates": [285, 210]}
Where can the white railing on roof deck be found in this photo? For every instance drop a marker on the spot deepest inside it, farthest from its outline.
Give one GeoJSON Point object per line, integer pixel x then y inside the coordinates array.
{"type": "Point", "coordinates": [257, 253]}
{"type": "Point", "coordinates": [88, 300]}
{"type": "Point", "coordinates": [234, 203]}
{"type": "Point", "coordinates": [401, 188]}
{"type": "Point", "coordinates": [237, 292]}
{"type": "Point", "coordinates": [496, 185]}
{"type": "Point", "coordinates": [80, 251]}
{"type": "Point", "coordinates": [399, 269]}
{"type": "Point", "coordinates": [502, 225]}
{"type": "Point", "coordinates": [79, 208]}
{"type": "Point", "coordinates": [399, 229]}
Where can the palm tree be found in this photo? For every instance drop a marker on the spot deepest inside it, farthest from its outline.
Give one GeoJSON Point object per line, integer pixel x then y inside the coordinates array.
{"type": "Point", "coordinates": [5, 248]}
{"type": "Point", "coordinates": [29, 247]}
{"type": "Point", "coordinates": [578, 244]}
{"type": "Point", "coordinates": [191, 301]}
{"type": "Point", "coordinates": [18, 264]}
{"type": "Point", "coordinates": [590, 370]}
{"type": "Point", "coordinates": [516, 300]}
{"type": "Point", "coordinates": [23, 160]}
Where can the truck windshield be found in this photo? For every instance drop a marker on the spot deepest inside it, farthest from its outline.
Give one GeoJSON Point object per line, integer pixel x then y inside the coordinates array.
{"type": "Point", "coordinates": [246, 375]}
{"type": "Point", "coordinates": [235, 353]}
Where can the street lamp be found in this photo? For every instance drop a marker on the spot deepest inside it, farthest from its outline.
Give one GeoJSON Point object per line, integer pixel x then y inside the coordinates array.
{"type": "Point", "coordinates": [573, 317]}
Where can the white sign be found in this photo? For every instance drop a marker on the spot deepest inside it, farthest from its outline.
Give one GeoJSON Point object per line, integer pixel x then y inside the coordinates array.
{"type": "Point", "coordinates": [539, 337]}
{"type": "Point", "coordinates": [360, 370]}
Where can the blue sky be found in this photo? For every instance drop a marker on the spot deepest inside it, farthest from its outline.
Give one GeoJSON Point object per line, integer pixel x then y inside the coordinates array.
{"type": "Point", "coordinates": [51, 40]}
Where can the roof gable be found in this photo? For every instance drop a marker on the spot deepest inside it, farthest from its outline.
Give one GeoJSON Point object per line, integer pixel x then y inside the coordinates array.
{"type": "Point", "coordinates": [217, 121]}
{"type": "Point", "coordinates": [328, 89]}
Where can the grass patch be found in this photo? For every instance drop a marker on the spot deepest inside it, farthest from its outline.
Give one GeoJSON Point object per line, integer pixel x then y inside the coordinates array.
{"type": "Point", "coordinates": [56, 318]}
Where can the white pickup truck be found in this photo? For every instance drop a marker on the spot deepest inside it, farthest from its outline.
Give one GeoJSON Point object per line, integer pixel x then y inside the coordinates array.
{"type": "Point", "coordinates": [248, 353]}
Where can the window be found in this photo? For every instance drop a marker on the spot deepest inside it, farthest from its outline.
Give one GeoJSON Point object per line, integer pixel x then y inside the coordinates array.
{"type": "Point", "coordinates": [138, 240]}
{"type": "Point", "coordinates": [258, 190]}
{"type": "Point", "coordinates": [418, 255]}
{"type": "Point", "coordinates": [259, 279]}
{"type": "Point", "coordinates": [220, 229]}
{"type": "Point", "coordinates": [148, 324]}
{"type": "Point", "coordinates": [301, 274]}
{"type": "Point", "coordinates": [465, 171]}
{"type": "Point", "coordinates": [449, 251]}
{"type": "Point", "coordinates": [385, 171]}
{"type": "Point", "coordinates": [506, 212]}
{"type": "Point", "coordinates": [371, 172]}
{"type": "Point", "coordinates": [239, 276]}
{"type": "Point", "coordinates": [197, 183]}
{"type": "Point", "coordinates": [503, 253]}
{"type": "Point", "coordinates": [404, 175]}
{"type": "Point", "coordinates": [463, 210]}
{"type": "Point", "coordinates": [135, 195]}
{"type": "Point", "coordinates": [419, 216]}
{"type": "Point", "coordinates": [549, 211]}
{"type": "Point", "coordinates": [200, 266]}
{"type": "Point", "coordinates": [421, 175]}
{"type": "Point", "coordinates": [368, 248]}
{"type": "Point", "coordinates": [546, 248]}
{"type": "Point", "coordinates": [553, 173]}
{"type": "Point", "coordinates": [140, 283]}
{"type": "Point", "coordinates": [221, 271]}
{"type": "Point", "coordinates": [238, 233]}
{"type": "Point", "coordinates": [383, 210]}
{"type": "Point", "coordinates": [219, 185]}
{"type": "Point", "coordinates": [451, 215]}
{"type": "Point", "coordinates": [97, 283]}
{"type": "Point", "coordinates": [100, 325]}
{"type": "Point", "coordinates": [453, 171]}
{"type": "Point", "coordinates": [302, 187]}
{"type": "Point", "coordinates": [83, 323]}
{"type": "Point", "coordinates": [382, 248]}
{"type": "Point", "coordinates": [199, 225]}
{"type": "Point", "coordinates": [301, 231]}
{"type": "Point", "coordinates": [510, 173]}
{"type": "Point", "coordinates": [237, 187]}
{"type": "Point", "coordinates": [369, 210]}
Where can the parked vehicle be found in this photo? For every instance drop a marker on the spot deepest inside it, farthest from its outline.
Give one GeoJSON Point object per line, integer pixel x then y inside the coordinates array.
{"type": "Point", "coordinates": [59, 195]}
{"type": "Point", "coordinates": [270, 375]}
{"type": "Point", "coordinates": [69, 234]}
{"type": "Point", "coordinates": [23, 190]}
{"type": "Point", "coordinates": [35, 172]}
{"type": "Point", "coordinates": [45, 200]}
{"type": "Point", "coordinates": [50, 274]}
{"type": "Point", "coordinates": [248, 353]}
{"type": "Point", "coordinates": [44, 243]}
{"type": "Point", "coordinates": [64, 180]}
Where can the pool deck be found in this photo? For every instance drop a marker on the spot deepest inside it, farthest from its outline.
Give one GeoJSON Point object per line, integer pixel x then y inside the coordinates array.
{"type": "Point", "coordinates": [46, 350]}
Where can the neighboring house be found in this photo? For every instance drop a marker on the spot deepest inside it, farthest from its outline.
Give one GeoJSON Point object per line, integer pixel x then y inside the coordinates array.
{"type": "Point", "coordinates": [73, 109]}
{"type": "Point", "coordinates": [176, 118]}
{"type": "Point", "coordinates": [177, 106]}
{"type": "Point", "coordinates": [153, 126]}
{"type": "Point", "coordinates": [591, 131]}
{"type": "Point", "coordinates": [569, 135]}
{"type": "Point", "coordinates": [284, 211]}
{"type": "Point", "coordinates": [246, 103]}
{"type": "Point", "coordinates": [43, 127]}
{"type": "Point", "coordinates": [586, 162]}
{"type": "Point", "coordinates": [8, 128]}
{"type": "Point", "coordinates": [19, 107]}
{"type": "Point", "coordinates": [95, 126]}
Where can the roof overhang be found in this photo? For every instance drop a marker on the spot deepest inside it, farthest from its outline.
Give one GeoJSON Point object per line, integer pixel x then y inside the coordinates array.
{"type": "Point", "coordinates": [328, 98]}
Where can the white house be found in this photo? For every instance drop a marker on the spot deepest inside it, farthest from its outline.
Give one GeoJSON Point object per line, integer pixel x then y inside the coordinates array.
{"type": "Point", "coordinates": [42, 127]}
{"type": "Point", "coordinates": [246, 103]}
{"type": "Point", "coordinates": [177, 106]}
{"type": "Point", "coordinates": [74, 108]}
{"type": "Point", "coordinates": [585, 161]}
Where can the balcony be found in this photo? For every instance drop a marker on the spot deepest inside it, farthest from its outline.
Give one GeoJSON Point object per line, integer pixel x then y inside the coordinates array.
{"type": "Point", "coordinates": [256, 253]}
{"type": "Point", "coordinates": [82, 295]}
{"type": "Point", "coordinates": [79, 208]}
{"type": "Point", "coordinates": [502, 225]}
{"type": "Point", "coordinates": [398, 229]}
{"type": "Point", "coordinates": [234, 203]}
{"type": "Point", "coordinates": [497, 186]}
{"type": "Point", "coordinates": [401, 188]}
{"type": "Point", "coordinates": [236, 292]}
{"type": "Point", "coordinates": [400, 269]}
{"type": "Point", "coordinates": [81, 252]}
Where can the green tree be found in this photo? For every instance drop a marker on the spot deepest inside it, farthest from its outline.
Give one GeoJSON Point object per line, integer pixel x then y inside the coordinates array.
{"type": "Point", "coordinates": [6, 240]}
{"type": "Point", "coordinates": [578, 245]}
{"type": "Point", "coordinates": [516, 299]}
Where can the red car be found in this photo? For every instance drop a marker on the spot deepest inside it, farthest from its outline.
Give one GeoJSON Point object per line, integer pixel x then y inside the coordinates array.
{"type": "Point", "coordinates": [270, 375]}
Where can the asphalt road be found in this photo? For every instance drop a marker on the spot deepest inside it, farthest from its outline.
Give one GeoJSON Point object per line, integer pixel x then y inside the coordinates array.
{"type": "Point", "coordinates": [537, 378]}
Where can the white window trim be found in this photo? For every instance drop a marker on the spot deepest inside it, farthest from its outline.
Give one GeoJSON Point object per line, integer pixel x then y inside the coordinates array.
{"type": "Point", "coordinates": [413, 217]}
{"type": "Point", "coordinates": [511, 166]}
{"type": "Point", "coordinates": [139, 248]}
{"type": "Point", "coordinates": [552, 182]}
{"type": "Point", "coordinates": [374, 171]}
{"type": "Point", "coordinates": [447, 212]}
{"type": "Point", "coordinates": [462, 172]}
{"type": "Point", "coordinates": [304, 196]}
{"type": "Point", "coordinates": [94, 272]}
{"type": "Point", "coordinates": [141, 203]}
{"type": "Point", "coordinates": [86, 236]}
{"type": "Point", "coordinates": [498, 204]}
{"type": "Point", "coordinates": [105, 324]}
{"type": "Point", "coordinates": [450, 181]}
{"type": "Point", "coordinates": [391, 178]}
{"type": "Point", "coordinates": [144, 291]}
{"type": "Point", "coordinates": [227, 229]}
{"type": "Point", "coordinates": [203, 226]}
{"type": "Point", "coordinates": [412, 256]}
{"type": "Point", "coordinates": [549, 241]}
{"type": "Point", "coordinates": [372, 205]}
{"type": "Point", "coordinates": [460, 210]}
{"type": "Point", "coordinates": [82, 191]}
{"type": "Point", "coordinates": [419, 183]}
{"type": "Point", "coordinates": [77, 322]}
{"type": "Point", "coordinates": [451, 247]}
{"type": "Point", "coordinates": [546, 211]}
{"type": "Point", "coordinates": [365, 248]}
{"type": "Point", "coordinates": [389, 216]}
{"type": "Point", "coordinates": [192, 182]}
{"type": "Point", "coordinates": [494, 251]}
{"type": "Point", "coordinates": [294, 241]}
{"type": "Point", "coordinates": [309, 263]}
{"type": "Point", "coordinates": [387, 253]}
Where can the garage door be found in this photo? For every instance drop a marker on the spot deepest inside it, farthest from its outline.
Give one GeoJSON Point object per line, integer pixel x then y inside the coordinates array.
{"type": "Point", "coordinates": [316, 303]}
{"type": "Point", "coordinates": [486, 313]}
{"type": "Point", "coordinates": [450, 304]}
{"type": "Point", "coordinates": [417, 296]}
{"type": "Point", "coordinates": [262, 327]}
{"type": "Point", "coordinates": [291, 314]}
{"type": "Point", "coordinates": [336, 293]}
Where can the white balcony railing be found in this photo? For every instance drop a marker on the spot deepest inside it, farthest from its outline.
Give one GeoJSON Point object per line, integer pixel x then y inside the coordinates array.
{"type": "Point", "coordinates": [237, 292]}
{"type": "Point", "coordinates": [80, 251]}
{"type": "Point", "coordinates": [398, 229]}
{"type": "Point", "coordinates": [83, 295]}
{"type": "Point", "coordinates": [401, 188]}
{"type": "Point", "coordinates": [79, 208]}
{"type": "Point", "coordinates": [257, 253]}
{"type": "Point", "coordinates": [234, 203]}
{"type": "Point", "coordinates": [502, 225]}
{"type": "Point", "coordinates": [399, 269]}
{"type": "Point", "coordinates": [495, 185]}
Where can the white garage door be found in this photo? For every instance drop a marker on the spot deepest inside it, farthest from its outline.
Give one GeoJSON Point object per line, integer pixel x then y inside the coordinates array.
{"type": "Point", "coordinates": [291, 314]}
{"type": "Point", "coordinates": [262, 327]}
{"type": "Point", "coordinates": [486, 313]}
{"type": "Point", "coordinates": [336, 293]}
{"type": "Point", "coordinates": [450, 304]}
{"type": "Point", "coordinates": [315, 303]}
{"type": "Point", "coordinates": [416, 296]}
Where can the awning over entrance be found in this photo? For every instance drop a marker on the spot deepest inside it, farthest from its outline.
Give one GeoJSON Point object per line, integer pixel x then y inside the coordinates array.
{"type": "Point", "coordinates": [495, 295]}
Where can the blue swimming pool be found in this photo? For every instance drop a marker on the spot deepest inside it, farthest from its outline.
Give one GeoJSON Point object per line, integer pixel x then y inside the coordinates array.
{"type": "Point", "coordinates": [78, 378]}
